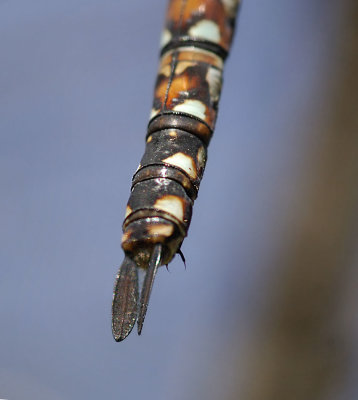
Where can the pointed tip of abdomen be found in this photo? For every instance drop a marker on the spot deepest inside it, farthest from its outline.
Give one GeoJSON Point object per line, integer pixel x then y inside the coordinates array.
{"type": "Point", "coordinates": [121, 330]}
{"type": "Point", "coordinates": [121, 336]}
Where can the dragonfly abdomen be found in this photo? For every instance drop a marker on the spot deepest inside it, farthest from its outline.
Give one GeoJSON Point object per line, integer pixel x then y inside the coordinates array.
{"type": "Point", "coordinates": [195, 42]}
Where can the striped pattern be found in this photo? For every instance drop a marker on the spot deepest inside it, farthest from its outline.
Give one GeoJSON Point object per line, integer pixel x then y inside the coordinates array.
{"type": "Point", "coordinates": [195, 42]}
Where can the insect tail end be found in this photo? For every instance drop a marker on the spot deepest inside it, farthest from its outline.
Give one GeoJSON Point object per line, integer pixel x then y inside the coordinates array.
{"type": "Point", "coordinates": [125, 300]}
{"type": "Point", "coordinates": [154, 263]}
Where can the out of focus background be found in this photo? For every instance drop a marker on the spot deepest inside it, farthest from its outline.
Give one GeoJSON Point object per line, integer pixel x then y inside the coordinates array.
{"type": "Point", "coordinates": [266, 309]}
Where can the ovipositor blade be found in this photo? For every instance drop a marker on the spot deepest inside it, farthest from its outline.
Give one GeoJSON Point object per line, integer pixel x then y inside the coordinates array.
{"type": "Point", "coordinates": [154, 263]}
{"type": "Point", "coordinates": [125, 300]}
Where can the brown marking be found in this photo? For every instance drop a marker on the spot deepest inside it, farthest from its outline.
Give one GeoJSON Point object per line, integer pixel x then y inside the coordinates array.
{"type": "Point", "coordinates": [188, 83]}
{"type": "Point", "coordinates": [166, 59]}
{"type": "Point", "coordinates": [161, 89]}
{"type": "Point", "coordinates": [183, 65]}
{"type": "Point", "coordinates": [199, 55]}
{"type": "Point", "coordinates": [126, 235]}
{"type": "Point", "coordinates": [180, 19]}
{"type": "Point", "coordinates": [181, 89]}
{"type": "Point", "coordinates": [191, 54]}
{"type": "Point", "coordinates": [178, 14]}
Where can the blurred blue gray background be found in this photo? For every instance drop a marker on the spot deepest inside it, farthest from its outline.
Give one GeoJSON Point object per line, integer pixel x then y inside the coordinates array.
{"type": "Point", "coordinates": [76, 84]}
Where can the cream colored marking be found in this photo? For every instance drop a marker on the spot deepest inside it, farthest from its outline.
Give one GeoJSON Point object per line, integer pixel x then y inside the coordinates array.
{"type": "Point", "coordinates": [201, 157]}
{"type": "Point", "coordinates": [184, 162]}
{"type": "Point", "coordinates": [139, 167]}
{"type": "Point", "coordinates": [182, 66]}
{"type": "Point", "coordinates": [172, 205]}
{"type": "Point", "coordinates": [153, 113]}
{"type": "Point", "coordinates": [213, 77]}
{"type": "Point", "coordinates": [149, 139]}
{"type": "Point", "coordinates": [173, 134]}
{"type": "Point", "coordinates": [194, 107]}
{"type": "Point", "coordinates": [231, 6]}
{"type": "Point", "coordinates": [128, 211]}
{"type": "Point", "coordinates": [165, 38]}
{"type": "Point", "coordinates": [160, 229]}
{"type": "Point", "coordinates": [206, 29]}
{"type": "Point", "coordinates": [165, 70]}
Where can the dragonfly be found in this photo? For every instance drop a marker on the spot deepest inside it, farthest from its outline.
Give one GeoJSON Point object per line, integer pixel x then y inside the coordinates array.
{"type": "Point", "coordinates": [195, 43]}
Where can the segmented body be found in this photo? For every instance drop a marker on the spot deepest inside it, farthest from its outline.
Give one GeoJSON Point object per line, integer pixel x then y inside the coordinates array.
{"type": "Point", "coordinates": [195, 43]}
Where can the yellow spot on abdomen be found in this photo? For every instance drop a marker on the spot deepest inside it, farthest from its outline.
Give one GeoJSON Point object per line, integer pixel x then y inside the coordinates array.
{"type": "Point", "coordinates": [206, 29]}
{"type": "Point", "coordinates": [166, 37]}
{"type": "Point", "coordinates": [201, 157]}
{"type": "Point", "coordinates": [173, 134]}
{"type": "Point", "coordinates": [184, 162]}
{"type": "Point", "coordinates": [172, 205]}
{"type": "Point", "coordinates": [160, 229]}
{"type": "Point", "coordinates": [128, 211]}
{"type": "Point", "coordinates": [165, 70]}
{"type": "Point", "coordinates": [153, 113]}
{"type": "Point", "coordinates": [194, 107]}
